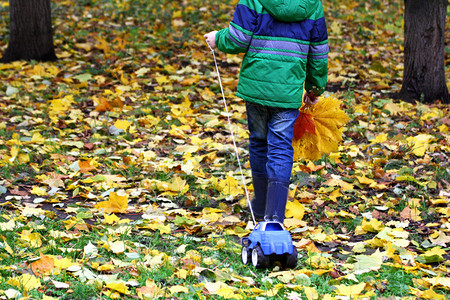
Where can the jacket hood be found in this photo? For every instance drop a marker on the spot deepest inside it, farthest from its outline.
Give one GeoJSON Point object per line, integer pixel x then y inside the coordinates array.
{"type": "Point", "coordinates": [290, 10]}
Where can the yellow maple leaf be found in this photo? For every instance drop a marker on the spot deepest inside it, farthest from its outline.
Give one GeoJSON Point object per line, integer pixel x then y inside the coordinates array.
{"type": "Point", "coordinates": [102, 45]}
{"type": "Point", "coordinates": [116, 203]}
{"type": "Point", "coordinates": [63, 263]}
{"type": "Point", "coordinates": [369, 226]}
{"type": "Point", "coordinates": [431, 113]}
{"type": "Point", "coordinates": [295, 209]}
{"type": "Point", "coordinates": [364, 180]}
{"type": "Point", "coordinates": [25, 281]}
{"type": "Point", "coordinates": [428, 294]}
{"type": "Point", "coordinates": [320, 262]}
{"type": "Point", "coordinates": [103, 268]}
{"type": "Point", "coordinates": [122, 124]}
{"type": "Point", "coordinates": [328, 119]}
{"type": "Point", "coordinates": [38, 70]}
{"type": "Point", "coordinates": [230, 186]}
{"type": "Point", "coordinates": [208, 95]}
{"type": "Point", "coordinates": [38, 191]}
{"type": "Point", "coordinates": [181, 273]}
{"type": "Point", "coordinates": [59, 106]}
{"type": "Point", "coordinates": [75, 223]}
{"type": "Point", "coordinates": [162, 80]}
{"type": "Point", "coordinates": [37, 138]}
{"type": "Point", "coordinates": [14, 153]}
{"type": "Point", "coordinates": [398, 108]}
{"type": "Point", "coordinates": [367, 263]}
{"type": "Point", "coordinates": [311, 293]}
{"type": "Point", "coordinates": [177, 186]}
{"type": "Point", "coordinates": [373, 225]}
{"type": "Point", "coordinates": [443, 128]}
{"type": "Point", "coordinates": [350, 290]}
{"type": "Point", "coordinates": [379, 139]}
{"type": "Point", "coordinates": [33, 239]}
{"type": "Point", "coordinates": [432, 256]}
{"type": "Point", "coordinates": [118, 287]}
{"type": "Point", "coordinates": [178, 289]}
{"type": "Point", "coordinates": [163, 229]}
{"type": "Point", "coordinates": [420, 143]}
{"type": "Point", "coordinates": [30, 211]}
{"type": "Point", "coordinates": [228, 292]}
{"type": "Point", "coordinates": [111, 219]}
{"type": "Point", "coordinates": [117, 246]}
{"type": "Point", "coordinates": [341, 183]}
{"type": "Point", "coordinates": [439, 281]}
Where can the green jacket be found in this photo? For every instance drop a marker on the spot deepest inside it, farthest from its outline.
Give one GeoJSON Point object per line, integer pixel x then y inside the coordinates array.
{"type": "Point", "coordinates": [286, 46]}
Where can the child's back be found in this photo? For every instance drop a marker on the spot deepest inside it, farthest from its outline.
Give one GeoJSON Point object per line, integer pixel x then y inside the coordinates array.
{"type": "Point", "coordinates": [286, 45]}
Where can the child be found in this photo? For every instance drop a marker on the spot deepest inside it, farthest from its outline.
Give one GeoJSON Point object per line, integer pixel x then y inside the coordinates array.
{"type": "Point", "coordinates": [286, 46]}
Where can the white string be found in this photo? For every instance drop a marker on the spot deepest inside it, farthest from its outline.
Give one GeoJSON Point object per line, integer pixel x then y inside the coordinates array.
{"type": "Point", "coordinates": [232, 136]}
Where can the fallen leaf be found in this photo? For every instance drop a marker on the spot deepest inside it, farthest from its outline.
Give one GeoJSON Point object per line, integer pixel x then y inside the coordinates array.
{"type": "Point", "coordinates": [43, 266]}
{"type": "Point", "coordinates": [116, 203]}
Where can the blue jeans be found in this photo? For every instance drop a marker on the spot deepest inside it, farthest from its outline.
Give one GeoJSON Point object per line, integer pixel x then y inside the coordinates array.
{"type": "Point", "coordinates": [271, 132]}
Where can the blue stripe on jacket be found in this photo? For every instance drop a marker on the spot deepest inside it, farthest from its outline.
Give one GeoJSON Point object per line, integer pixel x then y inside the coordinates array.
{"type": "Point", "coordinates": [268, 26]}
{"type": "Point", "coordinates": [240, 36]}
{"type": "Point", "coordinates": [279, 45]}
{"type": "Point", "coordinates": [319, 50]}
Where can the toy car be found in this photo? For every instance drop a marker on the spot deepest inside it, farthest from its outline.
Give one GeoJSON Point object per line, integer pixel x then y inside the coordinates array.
{"type": "Point", "coordinates": [269, 242]}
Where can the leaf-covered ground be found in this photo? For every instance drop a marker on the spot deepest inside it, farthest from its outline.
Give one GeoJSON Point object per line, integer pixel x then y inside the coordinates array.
{"type": "Point", "coordinates": [118, 178]}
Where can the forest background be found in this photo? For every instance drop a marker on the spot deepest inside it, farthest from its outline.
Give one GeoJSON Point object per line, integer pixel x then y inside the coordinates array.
{"type": "Point", "coordinates": [118, 179]}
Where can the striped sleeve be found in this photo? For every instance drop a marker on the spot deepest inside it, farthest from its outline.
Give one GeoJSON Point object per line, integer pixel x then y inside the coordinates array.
{"type": "Point", "coordinates": [317, 64]}
{"type": "Point", "coordinates": [237, 37]}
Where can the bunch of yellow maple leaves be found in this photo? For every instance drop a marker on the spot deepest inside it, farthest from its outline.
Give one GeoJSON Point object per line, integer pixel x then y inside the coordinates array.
{"type": "Point", "coordinates": [318, 129]}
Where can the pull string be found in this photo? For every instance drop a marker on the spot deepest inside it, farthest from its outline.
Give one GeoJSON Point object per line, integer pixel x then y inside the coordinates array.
{"type": "Point", "coordinates": [232, 136]}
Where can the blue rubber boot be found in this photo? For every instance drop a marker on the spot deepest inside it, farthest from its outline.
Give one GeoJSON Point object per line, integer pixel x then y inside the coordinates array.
{"type": "Point", "coordinates": [277, 194]}
{"type": "Point", "coordinates": [259, 200]}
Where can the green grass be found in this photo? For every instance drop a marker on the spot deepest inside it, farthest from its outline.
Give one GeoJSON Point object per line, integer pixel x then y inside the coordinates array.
{"type": "Point", "coordinates": [223, 261]}
{"type": "Point", "coordinates": [83, 291]}
{"type": "Point", "coordinates": [390, 281]}
{"type": "Point", "coordinates": [442, 174]}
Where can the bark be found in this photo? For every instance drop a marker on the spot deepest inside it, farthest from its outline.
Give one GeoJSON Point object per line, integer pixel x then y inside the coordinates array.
{"type": "Point", "coordinates": [31, 34]}
{"type": "Point", "coordinates": [424, 57]}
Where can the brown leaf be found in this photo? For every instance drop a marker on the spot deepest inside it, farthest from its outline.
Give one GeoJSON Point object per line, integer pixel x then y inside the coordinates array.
{"type": "Point", "coordinates": [17, 192]}
{"type": "Point", "coordinates": [89, 146]}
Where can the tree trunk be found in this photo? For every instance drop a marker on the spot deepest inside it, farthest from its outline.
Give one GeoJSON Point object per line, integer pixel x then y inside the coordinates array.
{"type": "Point", "coordinates": [424, 73]}
{"type": "Point", "coordinates": [31, 34]}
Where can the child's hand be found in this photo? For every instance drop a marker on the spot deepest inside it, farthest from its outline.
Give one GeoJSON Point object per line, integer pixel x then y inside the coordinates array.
{"type": "Point", "coordinates": [310, 99]}
{"type": "Point", "coordinates": [211, 39]}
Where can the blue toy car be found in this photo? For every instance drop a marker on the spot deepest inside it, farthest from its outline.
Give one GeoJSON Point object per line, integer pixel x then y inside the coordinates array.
{"type": "Point", "coordinates": [269, 242]}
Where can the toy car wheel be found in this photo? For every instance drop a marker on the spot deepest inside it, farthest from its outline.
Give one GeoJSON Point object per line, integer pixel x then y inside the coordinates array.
{"type": "Point", "coordinates": [259, 260]}
{"type": "Point", "coordinates": [291, 259]}
{"type": "Point", "coordinates": [246, 255]}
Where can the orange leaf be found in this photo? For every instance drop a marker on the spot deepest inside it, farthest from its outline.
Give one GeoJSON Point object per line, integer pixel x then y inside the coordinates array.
{"type": "Point", "coordinates": [85, 166]}
{"type": "Point", "coordinates": [43, 266]}
{"type": "Point", "coordinates": [103, 105]}
{"type": "Point", "coordinates": [304, 123]}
